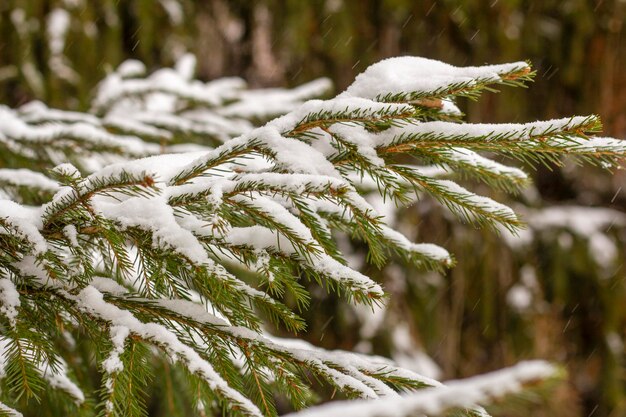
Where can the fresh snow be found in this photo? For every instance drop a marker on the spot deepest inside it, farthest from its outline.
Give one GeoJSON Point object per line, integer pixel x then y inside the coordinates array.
{"type": "Point", "coordinates": [56, 378]}
{"type": "Point", "coordinates": [8, 411]}
{"type": "Point", "coordinates": [113, 364]}
{"type": "Point", "coordinates": [57, 27]}
{"type": "Point", "coordinates": [293, 154]}
{"type": "Point", "coordinates": [60, 380]}
{"type": "Point", "coordinates": [157, 217]}
{"type": "Point", "coordinates": [519, 297]}
{"type": "Point", "coordinates": [427, 250]}
{"type": "Point", "coordinates": [26, 222]}
{"type": "Point", "coordinates": [91, 301]}
{"type": "Point", "coordinates": [478, 203]}
{"type": "Point", "coordinates": [472, 159]}
{"type": "Point", "coordinates": [434, 401]}
{"type": "Point", "coordinates": [14, 129]}
{"type": "Point", "coordinates": [246, 170]}
{"type": "Point", "coordinates": [9, 300]}
{"type": "Point", "coordinates": [350, 107]}
{"type": "Point", "coordinates": [415, 74]}
{"type": "Point", "coordinates": [458, 132]}
{"type": "Point", "coordinates": [26, 178]}
{"type": "Point", "coordinates": [265, 103]}
{"type": "Point", "coordinates": [589, 223]}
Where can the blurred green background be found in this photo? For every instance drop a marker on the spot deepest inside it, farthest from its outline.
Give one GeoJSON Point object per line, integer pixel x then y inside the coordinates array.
{"type": "Point", "coordinates": [465, 320]}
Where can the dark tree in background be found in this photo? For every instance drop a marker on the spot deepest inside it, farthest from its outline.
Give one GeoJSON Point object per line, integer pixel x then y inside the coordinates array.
{"type": "Point", "coordinates": [579, 53]}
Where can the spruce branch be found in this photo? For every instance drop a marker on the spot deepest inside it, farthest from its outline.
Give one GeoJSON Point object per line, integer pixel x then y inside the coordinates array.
{"type": "Point", "coordinates": [182, 258]}
{"type": "Point", "coordinates": [454, 396]}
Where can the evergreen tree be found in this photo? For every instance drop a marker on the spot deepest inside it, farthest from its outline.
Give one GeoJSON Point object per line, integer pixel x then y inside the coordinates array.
{"type": "Point", "coordinates": [166, 271]}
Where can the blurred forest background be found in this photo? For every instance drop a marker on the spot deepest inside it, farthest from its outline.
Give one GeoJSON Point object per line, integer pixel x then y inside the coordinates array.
{"type": "Point", "coordinates": [556, 291]}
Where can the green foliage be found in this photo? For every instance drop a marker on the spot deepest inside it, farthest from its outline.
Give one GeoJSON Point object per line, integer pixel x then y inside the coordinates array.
{"type": "Point", "coordinates": [173, 264]}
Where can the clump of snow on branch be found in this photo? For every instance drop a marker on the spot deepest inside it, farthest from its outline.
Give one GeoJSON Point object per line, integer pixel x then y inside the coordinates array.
{"type": "Point", "coordinates": [438, 400]}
